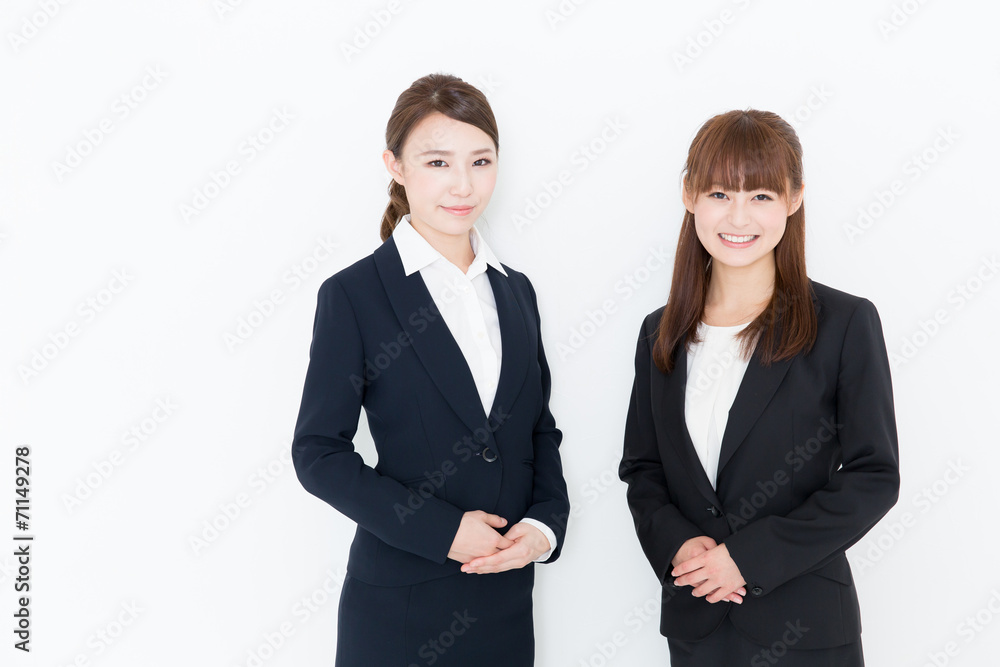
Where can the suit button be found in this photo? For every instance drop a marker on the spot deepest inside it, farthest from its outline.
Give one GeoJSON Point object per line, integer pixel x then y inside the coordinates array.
{"type": "Point", "coordinates": [488, 455]}
{"type": "Point", "coordinates": [716, 512]}
{"type": "Point", "coordinates": [756, 591]}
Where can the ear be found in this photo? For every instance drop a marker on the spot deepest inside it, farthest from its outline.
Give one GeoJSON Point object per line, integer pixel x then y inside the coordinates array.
{"type": "Point", "coordinates": [796, 201]}
{"type": "Point", "coordinates": [393, 166]}
{"type": "Point", "coordinates": [686, 196]}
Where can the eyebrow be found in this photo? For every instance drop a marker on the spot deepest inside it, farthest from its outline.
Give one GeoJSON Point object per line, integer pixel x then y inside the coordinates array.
{"type": "Point", "coordinates": [481, 151]}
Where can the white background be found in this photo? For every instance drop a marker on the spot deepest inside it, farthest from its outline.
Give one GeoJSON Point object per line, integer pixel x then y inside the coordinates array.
{"type": "Point", "coordinates": [868, 98]}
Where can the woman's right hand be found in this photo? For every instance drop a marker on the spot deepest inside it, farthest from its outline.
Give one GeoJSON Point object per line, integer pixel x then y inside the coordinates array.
{"type": "Point", "coordinates": [697, 546]}
{"type": "Point", "coordinates": [477, 536]}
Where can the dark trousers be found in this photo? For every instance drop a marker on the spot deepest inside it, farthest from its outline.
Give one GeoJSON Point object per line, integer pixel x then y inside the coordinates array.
{"type": "Point", "coordinates": [481, 620]}
{"type": "Point", "coordinates": [728, 647]}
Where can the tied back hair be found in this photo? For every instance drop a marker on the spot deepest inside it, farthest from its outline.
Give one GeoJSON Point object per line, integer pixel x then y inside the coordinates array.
{"type": "Point", "coordinates": [434, 93]}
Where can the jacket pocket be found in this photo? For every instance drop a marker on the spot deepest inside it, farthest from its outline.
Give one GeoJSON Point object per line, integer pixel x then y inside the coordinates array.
{"type": "Point", "coordinates": [838, 570]}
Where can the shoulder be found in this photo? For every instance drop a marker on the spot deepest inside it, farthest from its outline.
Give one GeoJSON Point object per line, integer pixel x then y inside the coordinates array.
{"type": "Point", "coordinates": [519, 284]}
{"type": "Point", "coordinates": [353, 280]}
{"type": "Point", "coordinates": [651, 322]}
{"type": "Point", "coordinates": [838, 306]}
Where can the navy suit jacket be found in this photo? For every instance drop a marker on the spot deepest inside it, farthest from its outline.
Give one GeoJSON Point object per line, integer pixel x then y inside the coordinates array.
{"type": "Point", "coordinates": [379, 343]}
{"type": "Point", "coordinates": [809, 463]}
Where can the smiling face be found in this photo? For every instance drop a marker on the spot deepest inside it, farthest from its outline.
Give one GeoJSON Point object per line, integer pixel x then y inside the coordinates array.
{"type": "Point", "coordinates": [449, 171]}
{"type": "Point", "coordinates": [740, 228]}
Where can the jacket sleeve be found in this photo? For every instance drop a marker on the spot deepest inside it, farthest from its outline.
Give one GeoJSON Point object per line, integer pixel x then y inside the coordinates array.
{"type": "Point", "coordinates": [550, 500]}
{"type": "Point", "coordinates": [323, 452]}
{"type": "Point", "coordinates": [659, 524]}
{"type": "Point", "coordinates": [774, 549]}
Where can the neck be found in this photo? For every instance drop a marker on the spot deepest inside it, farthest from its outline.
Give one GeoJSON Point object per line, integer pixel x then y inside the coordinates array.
{"type": "Point", "coordinates": [456, 248]}
{"type": "Point", "coordinates": [737, 294]}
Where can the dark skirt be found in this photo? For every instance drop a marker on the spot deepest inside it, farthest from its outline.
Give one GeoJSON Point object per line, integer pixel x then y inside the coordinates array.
{"type": "Point", "coordinates": [728, 647]}
{"type": "Point", "coordinates": [457, 621]}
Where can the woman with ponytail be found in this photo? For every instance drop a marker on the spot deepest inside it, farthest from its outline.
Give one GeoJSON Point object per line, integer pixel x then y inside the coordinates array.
{"type": "Point", "coordinates": [760, 441]}
{"type": "Point", "coordinates": [441, 345]}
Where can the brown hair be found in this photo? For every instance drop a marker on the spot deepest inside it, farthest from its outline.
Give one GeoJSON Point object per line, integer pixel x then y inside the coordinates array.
{"type": "Point", "coordinates": [434, 93]}
{"type": "Point", "coordinates": [743, 150]}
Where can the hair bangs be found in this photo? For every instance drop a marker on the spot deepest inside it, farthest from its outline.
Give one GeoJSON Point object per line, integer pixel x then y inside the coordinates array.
{"type": "Point", "coordinates": [738, 153]}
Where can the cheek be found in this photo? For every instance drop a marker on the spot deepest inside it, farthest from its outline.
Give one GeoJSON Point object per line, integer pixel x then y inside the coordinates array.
{"type": "Point", "coordinates": [704, 223]}
{"type": "Point", "coordinates": [421, 186]}
{"type": "Point", "coordinates": [775, 223]}
{"type": "Point", "coordinates": [486, 182]}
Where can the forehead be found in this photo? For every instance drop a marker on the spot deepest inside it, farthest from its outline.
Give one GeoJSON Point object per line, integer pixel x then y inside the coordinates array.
{"type": "Point", "coordinates": [438, 132]}
{"type": "Point", "coordinates": [739, 159]}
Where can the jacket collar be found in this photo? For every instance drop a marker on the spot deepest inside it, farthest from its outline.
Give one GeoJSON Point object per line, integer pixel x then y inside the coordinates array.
{"type": "Point", "coordinates": [758, 386]}
{"type": "Point", "coordinates": [437, 348]}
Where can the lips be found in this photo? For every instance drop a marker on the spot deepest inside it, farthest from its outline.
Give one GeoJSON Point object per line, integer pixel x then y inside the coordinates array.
{"type": "Point", "coordinates": [458, 210]}
{"type": "Point", "coordinates": [732, 238]}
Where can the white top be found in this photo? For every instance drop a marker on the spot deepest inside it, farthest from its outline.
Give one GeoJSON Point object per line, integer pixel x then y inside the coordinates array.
{"type": "Point", "coordinates": [715, 370]}
{"type": "Point", "coordinates": [468, 307]}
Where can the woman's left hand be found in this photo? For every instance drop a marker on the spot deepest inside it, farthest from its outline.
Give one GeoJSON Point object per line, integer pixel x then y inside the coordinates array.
{"type": "Point", "coordinates": [529, 544]}
{"type": "Point", "coordinates": [713, 574]}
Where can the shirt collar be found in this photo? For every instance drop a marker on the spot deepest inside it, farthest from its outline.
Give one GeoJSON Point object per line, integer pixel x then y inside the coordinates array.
{"type": "Point", "coordinates": [416, 252]}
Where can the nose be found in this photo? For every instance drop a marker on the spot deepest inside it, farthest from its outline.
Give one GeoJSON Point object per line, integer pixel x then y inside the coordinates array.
{"type": "Point", "coordinates": [739, 215]}
{"type": "Point", "coordinates": [461, 185]}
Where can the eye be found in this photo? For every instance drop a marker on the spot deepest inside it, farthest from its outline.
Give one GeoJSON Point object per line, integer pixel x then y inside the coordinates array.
{"type": "Point", "coordinates": [717, 195]}
{"type": "Point", "coordinates": [436, 163]}
{"type": "Point", "coordinates": [482, 162]}
{"type": "Point", "coordinates": [763, 197]}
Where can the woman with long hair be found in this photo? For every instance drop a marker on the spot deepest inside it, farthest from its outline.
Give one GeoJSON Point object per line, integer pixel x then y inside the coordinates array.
{"type": "Point", "coordinates": [760, 440]}
{"type": "Point", "coordinates": [440, 344]}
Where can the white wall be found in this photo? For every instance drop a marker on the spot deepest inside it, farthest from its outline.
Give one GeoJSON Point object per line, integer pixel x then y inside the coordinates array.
{"type": "Point", "coordinates": [867, 101]}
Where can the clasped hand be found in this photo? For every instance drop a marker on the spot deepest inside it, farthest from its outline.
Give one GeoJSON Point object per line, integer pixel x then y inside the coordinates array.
{"type": "Point", "coordinates": [708, 567]}
{"type": "Point", "coordinates": [482, 550]}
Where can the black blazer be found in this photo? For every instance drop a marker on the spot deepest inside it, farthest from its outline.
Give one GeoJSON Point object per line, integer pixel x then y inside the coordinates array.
{"type": "Point", "coordinates": [380, 343]}
{"type": "Point", "coordinates": [809, 463]}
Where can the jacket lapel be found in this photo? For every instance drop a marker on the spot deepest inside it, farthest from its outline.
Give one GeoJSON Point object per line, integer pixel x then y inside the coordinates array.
{"type": "Point", "coordinates": [436, 347]}
{"type": "Point", "coordinates": [668, 393]}
{"type": "Point", "coordinates": [514, 343]}
{"type": "Point", "coordinates": [756, 390]}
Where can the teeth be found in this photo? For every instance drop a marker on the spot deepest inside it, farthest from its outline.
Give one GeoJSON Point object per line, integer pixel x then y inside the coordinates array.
{"type": "Point", "coordinates": [738, 239]}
